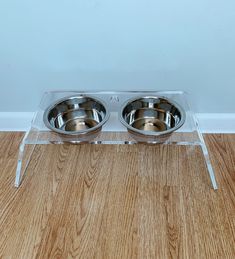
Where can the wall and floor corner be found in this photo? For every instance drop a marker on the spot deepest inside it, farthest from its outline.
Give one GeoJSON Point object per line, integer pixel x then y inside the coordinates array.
{"type": "Point", "coordinates": [122, 45]}
{"type": "Point", "coordinates": [208, 122]}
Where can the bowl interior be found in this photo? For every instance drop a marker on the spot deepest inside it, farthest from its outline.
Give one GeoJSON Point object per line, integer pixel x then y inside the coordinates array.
{"type": "Point", "coordinates": [151, 114]}
{"type": "Point", "coordinates": [76, 114]}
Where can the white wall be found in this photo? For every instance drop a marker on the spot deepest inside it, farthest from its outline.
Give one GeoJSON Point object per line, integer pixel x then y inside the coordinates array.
{"type": "Point", "coordinates": [124, 44]}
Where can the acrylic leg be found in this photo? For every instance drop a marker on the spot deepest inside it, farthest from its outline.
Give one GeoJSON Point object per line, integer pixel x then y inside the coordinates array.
{"type": "Point", "coordinates": [209, 166]}
{"type": "Point", "coordinates": [25, 153]}
{"type": "Point", "coordinates": [206, 156]}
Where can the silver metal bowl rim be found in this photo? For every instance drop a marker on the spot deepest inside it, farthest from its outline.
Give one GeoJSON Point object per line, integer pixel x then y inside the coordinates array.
{"type": "Point", "coordinates": [79, 132]}
{"type": "Point", "coordinates": [152, 133]}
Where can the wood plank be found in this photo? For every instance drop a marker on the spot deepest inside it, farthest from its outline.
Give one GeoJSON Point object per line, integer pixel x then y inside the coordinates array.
{"type": "Point", "coordinates": [127, 201]}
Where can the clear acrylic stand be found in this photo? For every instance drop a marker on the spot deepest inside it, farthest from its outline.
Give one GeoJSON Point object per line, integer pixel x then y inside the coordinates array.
{"type": "Point", "coordinates": [113, 132]}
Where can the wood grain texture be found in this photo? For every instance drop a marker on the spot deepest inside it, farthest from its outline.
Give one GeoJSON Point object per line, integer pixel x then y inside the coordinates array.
{"type": "Point", "coordinates": [118, 201]}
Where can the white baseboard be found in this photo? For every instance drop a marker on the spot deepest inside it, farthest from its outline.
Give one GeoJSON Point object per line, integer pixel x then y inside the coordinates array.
{"type": "Point", "coordinates": [216, 122]}
{"type": "Point", "coordinates": [208, 122]}
{"type": "Point", "coordinates": [15, 121]}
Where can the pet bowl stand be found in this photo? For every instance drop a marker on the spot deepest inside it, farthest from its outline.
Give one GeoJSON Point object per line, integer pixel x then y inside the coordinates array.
{"type": "Point", "coordinates": [113, 132]}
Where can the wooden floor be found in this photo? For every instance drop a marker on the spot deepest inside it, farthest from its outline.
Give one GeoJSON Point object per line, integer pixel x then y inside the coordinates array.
{"type": "Point", "coordinates": [93, 201]}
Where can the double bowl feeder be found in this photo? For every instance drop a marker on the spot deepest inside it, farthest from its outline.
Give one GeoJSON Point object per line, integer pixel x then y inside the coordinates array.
{"type": "Point", "coordinates": [147, 118]}
{"type": "Point", "coordinates": [120, 117]}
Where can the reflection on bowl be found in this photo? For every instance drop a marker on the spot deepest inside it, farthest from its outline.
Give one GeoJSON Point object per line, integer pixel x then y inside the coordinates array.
{"type": "Point", "coordinates": [80, 116]}
{"type": "Point", "coordinates": [151, 118]}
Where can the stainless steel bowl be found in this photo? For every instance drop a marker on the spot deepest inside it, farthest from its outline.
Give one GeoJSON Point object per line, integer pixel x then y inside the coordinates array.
{"type": "Point", "coordinates": [80, 116]}
{"type": "Point", "coordinates": [151, 118]}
